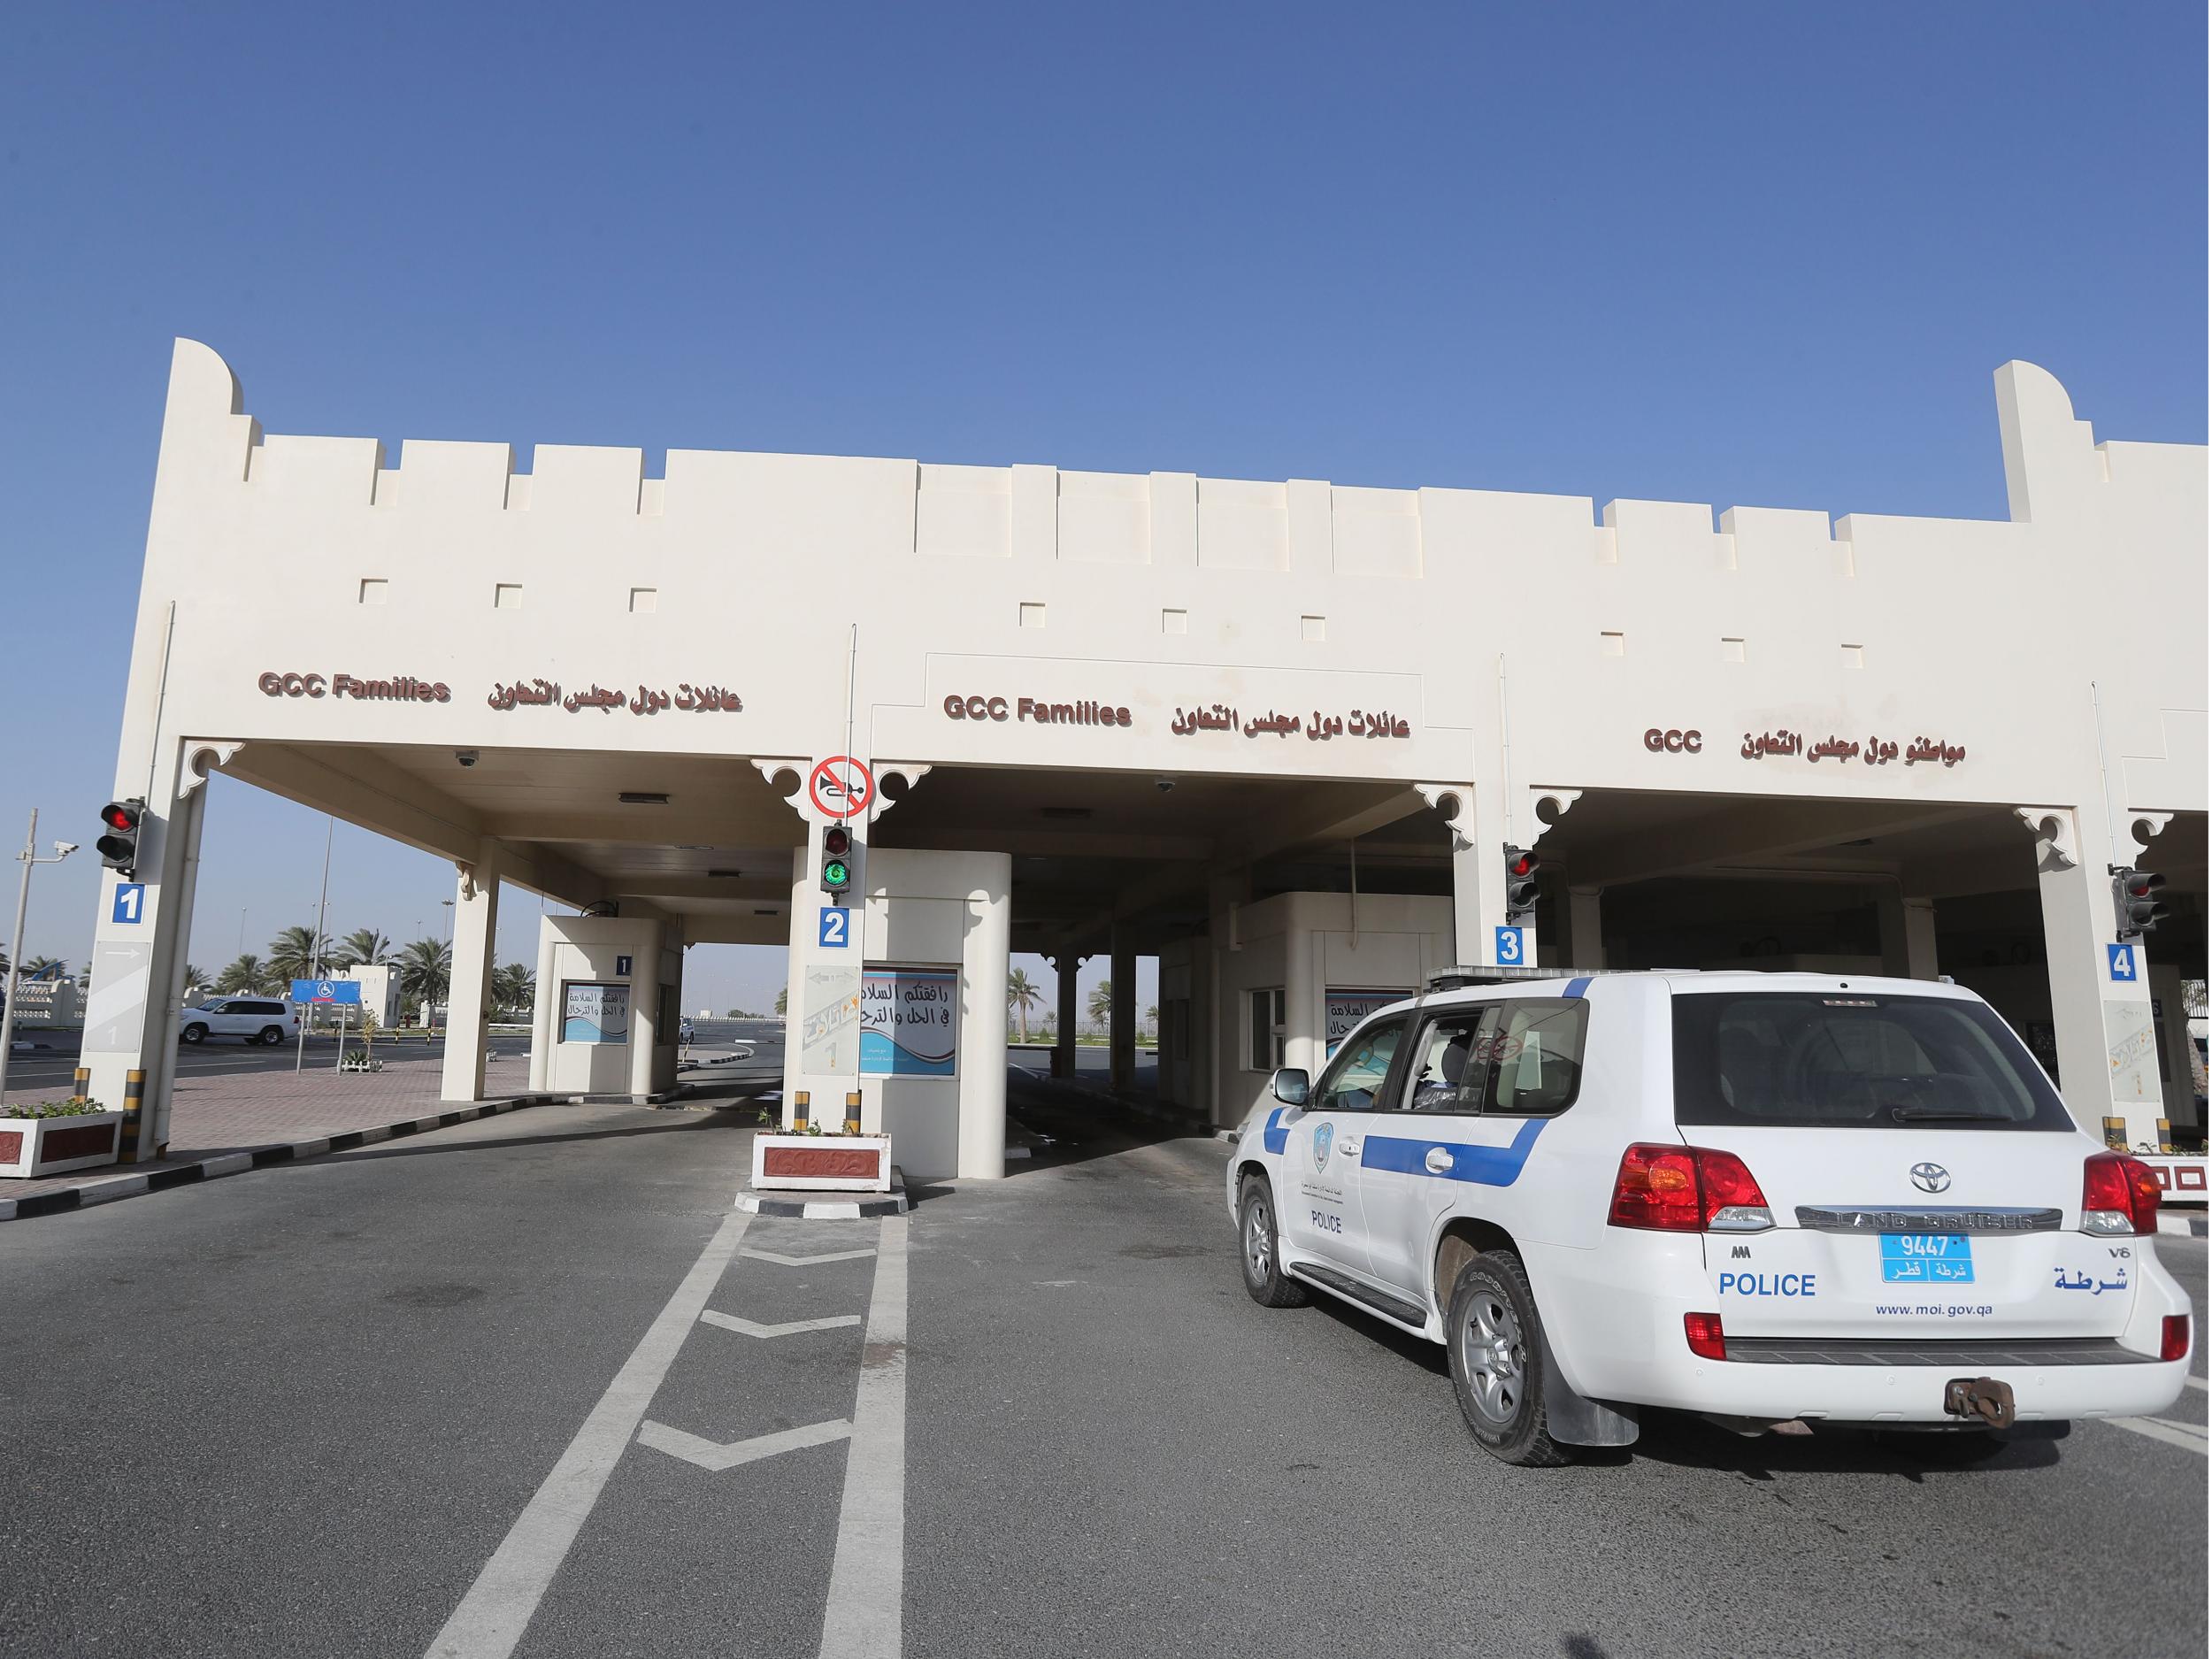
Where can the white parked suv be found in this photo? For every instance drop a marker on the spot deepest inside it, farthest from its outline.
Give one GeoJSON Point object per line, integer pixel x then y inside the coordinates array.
{"type": "Point", "coordinates": [253, 1018]}
{"type": "Point", "coordinates": [1784, 1202]}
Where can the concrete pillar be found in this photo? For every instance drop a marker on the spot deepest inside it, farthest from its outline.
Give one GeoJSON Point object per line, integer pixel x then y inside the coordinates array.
{"type": "Point", "coordinates": [1121, 1029]}
{"type": "Point", "coordinates": [1067, 1014]}
{"type": "Point", "coordinates": [468, 992]}
{"type": "Point", "coordinates": [2100, 1000]}
{"type": "Point", "coordinates": [129, 1046]}
{"type": "Point", "coordinates": [545, 1008]}
{"type": "Point", "coordinates": [821, 1048]}
{"type": "Point", "coordinates": [1586, 940]}
{"type": "Point", "coordinates": [1908, 930]}
{"type": "Point", "coordinates": [1478, 839]}
{"type": "Point", "coordinates": [983, 955]}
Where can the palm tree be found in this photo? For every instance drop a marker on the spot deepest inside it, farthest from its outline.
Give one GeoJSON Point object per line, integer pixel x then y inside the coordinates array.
{"type": "Point", "coordinates": [1021, 996]}
{"type": "Point", "coordinates": [363, 947]}
{"type": "Point", "coordinates": [426, 970]}
{"type": "Point", "coordinates": [298, 953]}
{"type": "Point", "coordinates": [193, 977]}
{"type": "Point", "coordinates": [1102, 1003]}
{"type": "Point", "coordinates": [514, 987]}
{"type": "Point", "coordinates": [44, 968]}
{"type": "Point", "coordinates": [783, 1001]}
{"type": "Point", "coordinates": [248, 972]}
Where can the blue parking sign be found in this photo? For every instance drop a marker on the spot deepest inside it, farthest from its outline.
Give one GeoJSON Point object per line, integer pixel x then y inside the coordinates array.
{"type": "Point", "coordinates": [836, 928]}
{"type": "Point", "coordinates": [130, 902]}
{"type": "Point", "coordinates": [2120, 963]}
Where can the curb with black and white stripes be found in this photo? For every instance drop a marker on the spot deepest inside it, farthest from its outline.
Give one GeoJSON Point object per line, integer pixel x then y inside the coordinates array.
{"type": "Point", "coordinates": [208, 1169]}
{"type": "Point", "coordinates": [834, 1206]}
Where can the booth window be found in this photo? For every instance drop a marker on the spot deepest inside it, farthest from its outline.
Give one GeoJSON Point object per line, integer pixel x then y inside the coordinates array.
{"type": "Point", "coordinates": [1265, 1016]}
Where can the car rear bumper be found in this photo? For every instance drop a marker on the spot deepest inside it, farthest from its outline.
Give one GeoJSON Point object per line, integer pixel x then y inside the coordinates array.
{"type": "Point", "coordinates": [1615, 1320]}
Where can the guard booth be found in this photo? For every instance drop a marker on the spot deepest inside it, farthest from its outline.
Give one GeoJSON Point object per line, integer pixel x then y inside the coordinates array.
{"type": "Point", "coordinates": [604, 1020]}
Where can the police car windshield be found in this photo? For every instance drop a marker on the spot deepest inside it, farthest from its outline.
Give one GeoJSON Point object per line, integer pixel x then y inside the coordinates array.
{"type": "Point", "coordinates": [1843, 1060]}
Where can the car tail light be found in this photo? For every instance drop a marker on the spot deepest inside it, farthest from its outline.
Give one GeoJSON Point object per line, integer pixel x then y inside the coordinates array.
{"type": "Point", "coordinates": [1707, 1339]}
{"type": "Point", "coordinates": [2118, 1195]}
{"type": "Point", "coordinates": [1687, 1189]}
{"type": "Point", "coordinates": [2173, 1337]}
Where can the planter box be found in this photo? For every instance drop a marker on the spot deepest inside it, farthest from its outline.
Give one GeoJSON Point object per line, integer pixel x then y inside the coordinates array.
{"type": "Point", "coordinates": [54, 1145]}
{"type": "Point", "coordinates": [822, 1163]}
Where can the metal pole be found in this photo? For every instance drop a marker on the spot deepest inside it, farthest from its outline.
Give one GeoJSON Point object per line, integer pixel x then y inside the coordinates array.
{"type": "Point", "coordinates": [315, 963]}
{"type": "Point", "coordinates": [15, 951]}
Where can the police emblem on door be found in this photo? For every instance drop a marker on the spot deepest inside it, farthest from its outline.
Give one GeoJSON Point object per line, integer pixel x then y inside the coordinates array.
{"type": "Point", "coordinates": [1324, 1136]}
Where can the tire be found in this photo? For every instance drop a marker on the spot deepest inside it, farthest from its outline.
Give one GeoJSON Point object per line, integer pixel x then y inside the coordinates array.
{"type": "Point", "coordinates": [193, 1034]}
{"type": "Point", "coordinates": [1259, 1250]}
{"type": "Point", "coordinates": [1495, 1342]}
{"type": "Point", "coordinates": [271, 1035]}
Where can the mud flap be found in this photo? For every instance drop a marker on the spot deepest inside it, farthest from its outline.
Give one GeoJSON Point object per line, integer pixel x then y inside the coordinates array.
{"type": "Point", "coordinates": [1573, 1419]}
{"type": "Point", "coordinates": [1979, 1400]}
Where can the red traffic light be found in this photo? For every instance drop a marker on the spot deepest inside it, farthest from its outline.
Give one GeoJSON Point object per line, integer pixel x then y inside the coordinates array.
{"type": "Point", "coordinates": [837, 841]}
{"type": "Point", "coordinates": [1525, 865]}
{"type": "Point", "coordinates": [120, 814]}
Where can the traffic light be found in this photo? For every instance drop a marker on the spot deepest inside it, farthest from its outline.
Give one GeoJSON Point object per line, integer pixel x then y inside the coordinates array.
{"type": "Point", "coordinates": [2135, 904]}
{"type": "Point", "coordinates": [118, 845]}
{"type": "Point", "coordinates": [1520, 886]}
{"type": "Point", "coordinates": [837, 860]}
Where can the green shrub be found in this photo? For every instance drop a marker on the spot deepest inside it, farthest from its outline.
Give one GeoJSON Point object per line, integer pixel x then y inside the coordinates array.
{"type": "Point", "coordinates": [76, 1106]}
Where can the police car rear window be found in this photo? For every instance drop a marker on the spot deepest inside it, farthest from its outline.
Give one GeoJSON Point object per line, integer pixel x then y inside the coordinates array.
{"type": "Point", "coordinates": [1847, 1059]}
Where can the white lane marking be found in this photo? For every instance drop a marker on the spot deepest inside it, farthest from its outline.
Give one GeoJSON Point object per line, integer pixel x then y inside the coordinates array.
{"type": "Point", "coordinates": [805, 1261]}
{"type": "Point", "coordinates": [2188, 1436]}
{"type": "Point", "coordinates": [717, 1456]}
{"type": "Point", "coordinates": [730, 1322]}
{"type": "Point", "coordinates": [493, 1615]}
{"type": "Point", "coordinates": [867, 1589]}
{"type": "Point", "coordinates": [2194, 1382]}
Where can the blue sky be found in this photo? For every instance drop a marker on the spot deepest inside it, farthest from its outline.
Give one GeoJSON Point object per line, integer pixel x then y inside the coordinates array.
{"type": "Point", "coordinates": [1738, 254]}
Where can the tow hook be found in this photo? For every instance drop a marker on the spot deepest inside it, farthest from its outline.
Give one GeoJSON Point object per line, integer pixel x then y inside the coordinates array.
{"type": "Point", "coordinates": [1980, 1399]}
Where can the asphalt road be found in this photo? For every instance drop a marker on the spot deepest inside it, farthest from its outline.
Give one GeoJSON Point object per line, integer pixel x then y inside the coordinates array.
{"type": "Point", "coordinates": [299, 1411]}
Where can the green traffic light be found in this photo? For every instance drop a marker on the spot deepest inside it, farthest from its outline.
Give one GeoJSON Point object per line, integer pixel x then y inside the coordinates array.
{"type": "Point", "coordinates": [836, 873]}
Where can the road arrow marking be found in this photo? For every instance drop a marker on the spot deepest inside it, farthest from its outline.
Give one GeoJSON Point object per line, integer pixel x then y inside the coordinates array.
{"type": "Point", "coordinates": [746, 1328]}
{"type": "Point", "coordinates": [709, 1455]}
{"type": "Point", "coordinates": [805, 1261]}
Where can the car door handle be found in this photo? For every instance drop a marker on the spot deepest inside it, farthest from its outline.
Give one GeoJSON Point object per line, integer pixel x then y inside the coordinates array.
{"type": "Point", "coordinates": [1438, 1161]}
{"type": "Point", "coordinates": [1349, 1148]}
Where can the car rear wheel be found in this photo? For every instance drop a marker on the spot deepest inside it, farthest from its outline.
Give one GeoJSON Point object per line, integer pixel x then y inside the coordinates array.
{"type": "Point", "coordinates": [272, 1035]}
{"type": "Point", "coordinates": [1496, 1344]}
{"type": "Point", "coordinates": [193, 1034]}
{"type": "Point", "coordinates": [1259, 1252]}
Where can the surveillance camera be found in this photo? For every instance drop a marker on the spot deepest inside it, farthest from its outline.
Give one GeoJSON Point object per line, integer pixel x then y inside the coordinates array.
{"type": "Point", "coordinates": [62, 849]}
{"type": "Point", "coordinates": [466, 757]}
{"type": "Point", "coordinates": [1164, 784]}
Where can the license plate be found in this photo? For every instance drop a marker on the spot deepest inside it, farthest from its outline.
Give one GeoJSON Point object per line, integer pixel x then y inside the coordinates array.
{"type": "Point", "coordinates": [1930, 1258]}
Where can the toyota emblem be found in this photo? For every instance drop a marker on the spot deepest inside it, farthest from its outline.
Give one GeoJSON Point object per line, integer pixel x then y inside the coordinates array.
{"type": "Point", "coordinates": [1931, 1177]}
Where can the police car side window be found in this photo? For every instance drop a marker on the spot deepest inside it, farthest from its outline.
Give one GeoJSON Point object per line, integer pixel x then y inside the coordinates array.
{"type": "Point", "coordinates": [1451, 1062]}
{"type": "Point", "coordinates": [1355, 1078]}
{"type": "Point", "coordinates": [1536, 1056]}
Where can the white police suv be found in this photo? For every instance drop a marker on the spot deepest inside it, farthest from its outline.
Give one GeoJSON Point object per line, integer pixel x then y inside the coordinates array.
{"type": "Point", "coordinates": [1780, 1200]}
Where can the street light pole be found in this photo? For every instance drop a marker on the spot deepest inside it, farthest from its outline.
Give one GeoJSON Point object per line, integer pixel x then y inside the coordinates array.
{"type": "Point", "coordinates": [27, 858]}
{"type": "Point", "coordinates": [315, 965]}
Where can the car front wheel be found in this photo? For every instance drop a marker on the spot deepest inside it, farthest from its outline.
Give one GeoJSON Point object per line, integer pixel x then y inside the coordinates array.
{"type": "Point", "coordinates": [1496, 1345]}
{"type": "Point", "coordinates": [1259, 1252]}
{"type": "Point", "coordinates": [193, 1034]}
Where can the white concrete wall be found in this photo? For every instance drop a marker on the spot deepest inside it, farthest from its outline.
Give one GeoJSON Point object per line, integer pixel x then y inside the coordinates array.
{"type": "Point", "coordinates": [1288, 598]}
{"type": "Point", "coordinates": [1307, 943]}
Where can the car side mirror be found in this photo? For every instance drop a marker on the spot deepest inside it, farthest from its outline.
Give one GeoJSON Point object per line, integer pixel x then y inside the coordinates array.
{"type": "Point", "coordinates": [1291, 1086]}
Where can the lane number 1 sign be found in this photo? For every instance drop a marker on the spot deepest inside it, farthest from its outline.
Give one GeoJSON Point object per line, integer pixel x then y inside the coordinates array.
{"type": "Point", "coordinates": [130, 902]}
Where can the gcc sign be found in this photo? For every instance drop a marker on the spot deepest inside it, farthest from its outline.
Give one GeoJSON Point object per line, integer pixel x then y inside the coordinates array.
{"type": "Point", "coordinates": [1670, 741]}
